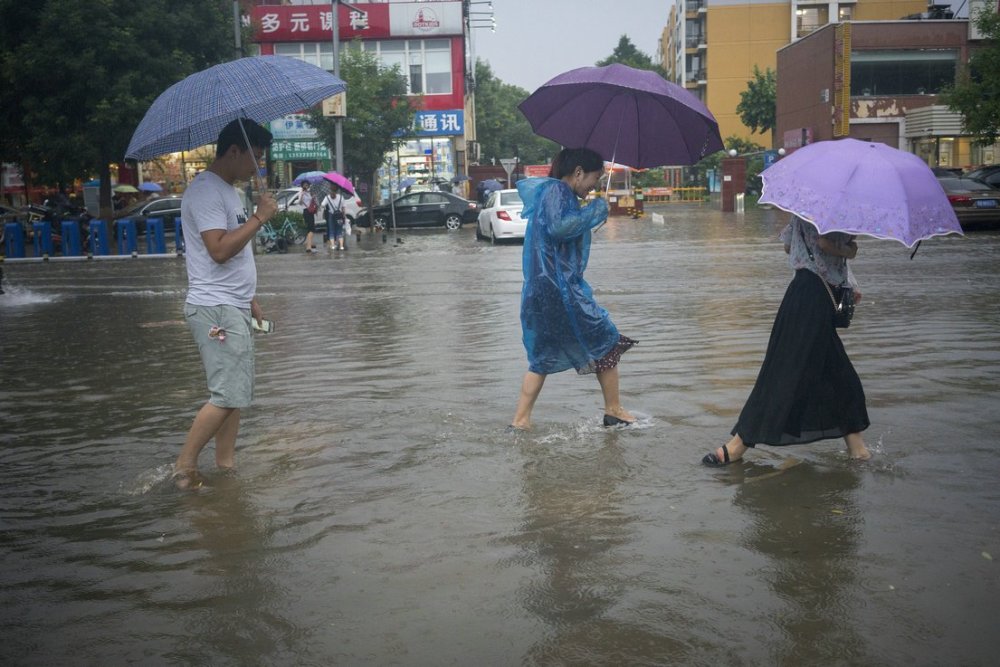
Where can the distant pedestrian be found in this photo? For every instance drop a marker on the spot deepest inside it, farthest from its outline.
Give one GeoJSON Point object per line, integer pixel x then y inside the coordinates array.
{"type": "Point", "coordinates": [309, 208]}
{"type": "Point", "coordinates": [333, 211]}
{"type": "Point", "coordinates": [562, 325]}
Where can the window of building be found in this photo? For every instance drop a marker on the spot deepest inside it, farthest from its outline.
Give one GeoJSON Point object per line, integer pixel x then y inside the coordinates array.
{"type": "Point", "coordinates": [912, 72]}
{"type": "Point", "coordinates": [845, 12]}
{"type": "Point", "coordinates": [808, 19]}
{"type": "Point", "coordinates": [425, 64]}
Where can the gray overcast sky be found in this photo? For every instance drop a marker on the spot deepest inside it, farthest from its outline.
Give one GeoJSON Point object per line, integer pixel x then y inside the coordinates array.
{"type": "Point", "coordinates": [538, 39]}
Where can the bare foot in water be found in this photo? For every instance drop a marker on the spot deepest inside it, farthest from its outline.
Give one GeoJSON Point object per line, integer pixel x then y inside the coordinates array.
{"type": "Point", "coordinates": [856, 448]}
{"type": "Point", "coordinates": [186, 480]}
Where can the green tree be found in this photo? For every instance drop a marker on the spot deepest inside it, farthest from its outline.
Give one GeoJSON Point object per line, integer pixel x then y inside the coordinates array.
{"type": "Point", "coordinates": [758, 102]}
{"type": "Point", "coordinates": [626, 53]}
{"type": "Point", "coordinates": [976, 93]}
{"type": "Point", "coordinates": [372, 127]}
{"type": "Point", "coordinates": [501, 129]}
{"type": "Point", "coordinates": [77, 77]}
{"type": "Point", "coordinates": [743, 147]}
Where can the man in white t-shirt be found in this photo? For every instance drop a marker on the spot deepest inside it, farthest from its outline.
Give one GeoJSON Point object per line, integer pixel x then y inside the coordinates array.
{"type": "Point", "coordinates": [222, 287]}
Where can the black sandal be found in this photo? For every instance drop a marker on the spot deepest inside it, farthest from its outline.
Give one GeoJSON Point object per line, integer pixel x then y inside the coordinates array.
{"type": "Point", "coordinates": [712, 461]}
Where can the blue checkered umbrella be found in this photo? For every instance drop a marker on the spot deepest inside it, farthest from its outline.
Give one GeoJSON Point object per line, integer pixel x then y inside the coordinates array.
{"type": "Point", "coordinates": [262, 88]}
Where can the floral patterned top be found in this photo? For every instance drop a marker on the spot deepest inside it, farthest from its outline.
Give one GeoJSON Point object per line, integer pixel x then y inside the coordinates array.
{"type": "Point", "coordinates": [801, 238]}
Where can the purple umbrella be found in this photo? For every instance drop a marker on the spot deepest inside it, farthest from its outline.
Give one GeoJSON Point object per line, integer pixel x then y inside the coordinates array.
{"type": "Point", "coordinates": [860, 187]}
{"type": "Point", "coordinates": [628, 116]}
{"type": "Point", "coordinates": [311, 176]}
{"type": "Point", "coordinates": [340, 181]}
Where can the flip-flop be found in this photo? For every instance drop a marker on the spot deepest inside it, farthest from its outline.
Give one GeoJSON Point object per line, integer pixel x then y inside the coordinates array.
{"type": "Point", "coordinates": [186, 480]}
{"type": "Point", "coordinates": [611, 420]}
{"type": "Point", "coordinates": [712, 461]}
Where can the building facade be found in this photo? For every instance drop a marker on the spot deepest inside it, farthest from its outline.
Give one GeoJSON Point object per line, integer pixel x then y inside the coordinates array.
{"type": "Point", "coordinates": [878, 81]}
{"type": "Point", "coordinates": [427, 40]}
{"type": "Point", "coordinates": [711, 46]}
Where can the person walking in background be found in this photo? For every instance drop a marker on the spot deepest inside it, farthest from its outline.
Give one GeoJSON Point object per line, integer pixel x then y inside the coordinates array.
{"type": "Point", "coordinates": [222, 286]}
{"type": "Point", "coordinates": [333, 211]}
{"type": "Point", "coordinates": [562, 325]}
{"type": "Point", "coordinates": [807, 389]}
{"type": "Point", "coordinates": [309, 208]}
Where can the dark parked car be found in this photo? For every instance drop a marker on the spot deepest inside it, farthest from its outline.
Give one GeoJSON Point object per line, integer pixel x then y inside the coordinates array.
{"type": "Point", "coordinates": [976, 204]}
{"type": "Point", "coordinates": [425, 209]}
{"type": "Point", "coordinates": [989, 174]}
{"type": "Point", "coordinates": [167, 208]}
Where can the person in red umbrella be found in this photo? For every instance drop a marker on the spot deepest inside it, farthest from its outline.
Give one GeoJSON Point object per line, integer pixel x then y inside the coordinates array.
{"type": "Point", "coordinates": [562, 325]}
{"type": "Point", "coordinates": [806, 389]}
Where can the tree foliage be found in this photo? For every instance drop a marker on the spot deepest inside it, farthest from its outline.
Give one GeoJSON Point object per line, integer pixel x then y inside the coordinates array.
{"type": "Point", "coordinates": [77, 77]}
{"type": "Point", "coordinates": [372, 127]}
{"type": "Point", "coordinates": [626, 53]}
{"type": "Point", "coordinates": [976, 93]}
{"type": "Point", "coordinates": [757, 107]}
{"type": "Point", "coordinates": [501, 129]}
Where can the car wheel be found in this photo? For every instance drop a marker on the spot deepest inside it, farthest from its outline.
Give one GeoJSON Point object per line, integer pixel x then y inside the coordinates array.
{"type": "Point", "coordinates": [381, 222]}
{"type": "Point", "coordinates": [493, 236]}
{"type": "Point", "coordinates": [453, 222]}
{"type": "Point", "coordinates": [479, 234]}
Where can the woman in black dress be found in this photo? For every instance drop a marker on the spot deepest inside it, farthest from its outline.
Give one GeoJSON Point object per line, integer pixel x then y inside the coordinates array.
{"type": "Point", "coordinates": [807, 389]}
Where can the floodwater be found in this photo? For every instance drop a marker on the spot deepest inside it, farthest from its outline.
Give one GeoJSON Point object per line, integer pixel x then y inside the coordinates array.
{"type": "Point", "coordinates": [381, 515]}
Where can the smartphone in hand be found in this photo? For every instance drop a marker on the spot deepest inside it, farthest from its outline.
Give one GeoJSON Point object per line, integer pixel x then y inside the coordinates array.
{"type": "Point", "coordinates": [263, 326]}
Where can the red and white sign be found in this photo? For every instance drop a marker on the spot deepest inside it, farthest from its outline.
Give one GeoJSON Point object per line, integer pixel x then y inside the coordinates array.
{"type": "Point", "coordinates": [299, 23]}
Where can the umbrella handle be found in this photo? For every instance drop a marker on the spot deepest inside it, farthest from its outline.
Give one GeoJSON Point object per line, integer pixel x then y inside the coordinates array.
{"type": "Point", "coordinates": [614, 154]}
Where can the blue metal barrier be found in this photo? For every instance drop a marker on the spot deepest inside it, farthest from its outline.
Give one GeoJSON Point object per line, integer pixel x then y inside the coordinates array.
{"type": "Point", "coordinates": [127, 237]}
{"type": "Point", "coordinates": [43, 238]}
{"type": "Point", "coordinates": [99, 242]}
{"type": "Point", "coordinates": [13, 240]}
{"type": "Point", "coordinates": [178, 236]}
{"type": "Point", "coordinates": [156, 244]}
{"type": "Point", "coordinates": [71, 245]}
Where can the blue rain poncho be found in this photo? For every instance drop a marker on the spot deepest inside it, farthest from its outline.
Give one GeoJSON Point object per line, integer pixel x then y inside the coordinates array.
{"type": "Point", "coordinates": [561, 324]}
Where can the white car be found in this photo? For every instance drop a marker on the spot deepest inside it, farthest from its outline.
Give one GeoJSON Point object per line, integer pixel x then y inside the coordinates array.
{"type": "Point", "coordinates": [290, 199]}
{"type": "Point", "coordinates": [500, 219]}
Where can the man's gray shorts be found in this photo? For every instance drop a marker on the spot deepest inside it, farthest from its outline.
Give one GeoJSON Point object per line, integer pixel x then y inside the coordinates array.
{"type": "Point", "coordinates": [225, 340]}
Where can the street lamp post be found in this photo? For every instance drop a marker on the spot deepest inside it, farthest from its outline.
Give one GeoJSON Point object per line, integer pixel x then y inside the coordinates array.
{"type": "Point", "coordinates": [338, 131]}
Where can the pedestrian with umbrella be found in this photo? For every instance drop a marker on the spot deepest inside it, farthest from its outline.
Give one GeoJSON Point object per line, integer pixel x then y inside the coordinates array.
{"type": "Point", "coordinates": [309, 209]}
{"type": "Point", "coordinates": [562, 325]}
{"type": "Point", "coordinates": [226, 104]}
{"type": "Point", "coordinates": [807, 389]}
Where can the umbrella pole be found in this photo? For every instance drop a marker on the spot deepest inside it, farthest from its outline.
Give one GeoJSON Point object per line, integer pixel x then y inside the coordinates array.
{"type": "Point", "coordinates": [614, 153]}
{"type": "Point", "coordinates": [256, 170]}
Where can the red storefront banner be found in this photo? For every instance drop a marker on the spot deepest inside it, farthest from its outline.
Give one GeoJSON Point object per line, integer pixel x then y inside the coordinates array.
{"type": "Point", "coordinates": [304, 23]}
{"type": "Point", "coordinates": [299, 23]}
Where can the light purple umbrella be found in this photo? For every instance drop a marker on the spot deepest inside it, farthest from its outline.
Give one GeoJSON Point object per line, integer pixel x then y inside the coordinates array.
{"type": "Point", "coordinates": [340, 181]}
{"type": "Point", "coordinates": [860, 187]}
{"type": "Point", "coordinates": [629, 116]}
{"type": "Point", "coordinates": [311, 176]}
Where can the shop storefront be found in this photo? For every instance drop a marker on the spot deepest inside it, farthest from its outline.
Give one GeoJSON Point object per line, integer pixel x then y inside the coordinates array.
{"type": "Point", "coordinates": [426, 41]}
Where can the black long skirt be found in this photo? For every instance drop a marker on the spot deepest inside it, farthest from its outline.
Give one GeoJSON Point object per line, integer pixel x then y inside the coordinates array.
{"type": "Point", "coordinates": [807, 389]}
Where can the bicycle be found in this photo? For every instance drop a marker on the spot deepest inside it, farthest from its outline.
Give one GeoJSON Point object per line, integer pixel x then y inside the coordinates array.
{"type": "Point", "coordinates": [279, 239]}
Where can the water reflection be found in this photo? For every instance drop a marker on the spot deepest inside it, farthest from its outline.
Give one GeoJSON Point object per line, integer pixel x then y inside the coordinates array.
{"type": "Point", "coordinates": [805, 520]}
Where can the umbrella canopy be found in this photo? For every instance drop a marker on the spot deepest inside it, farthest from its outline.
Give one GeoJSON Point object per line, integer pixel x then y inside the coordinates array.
{"type": "Point", "coordinates": [127, 189]}
{"type": "Point", "coordinates": [261, 88]}
{"type": "Point", "coordinates": [405, 183]}
{"type": "Point", "coordinates": [491, 184]}
{"type": "Point", "coordinates": [149, 186]}
{"type": "Point", "coordinates": [629, 116]}
{"type": "Point", "coordinates": [340, 181]}
{"type": "Point", "coordinates": [460, 178]}
{"type": "Point", "coordinates": [310, 176]}
{"type": "Point", "coordinates": [860, 187]}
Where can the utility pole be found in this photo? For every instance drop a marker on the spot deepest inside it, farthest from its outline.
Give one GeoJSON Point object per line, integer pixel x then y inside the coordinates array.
{"type": "Point", "coordinates": [338, 132]}
{"type": "Point", "coordinates": [237, 38]}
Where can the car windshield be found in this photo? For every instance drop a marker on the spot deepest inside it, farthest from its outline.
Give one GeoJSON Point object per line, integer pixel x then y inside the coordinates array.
{"type": "Point", "coordinates": [964, 185]}
{"type": "Point", "coordinates": [510, 199]}
{"type": "Point", "coordinates": [284, 198]}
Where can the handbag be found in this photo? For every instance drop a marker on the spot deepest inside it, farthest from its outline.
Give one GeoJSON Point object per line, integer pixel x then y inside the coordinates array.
{"type": "Point", "coordinates": [842, 296]}
{"type": "Point", "coordinates": [843, 304]}
{"type": "Point", "coordinates": [313, 207]}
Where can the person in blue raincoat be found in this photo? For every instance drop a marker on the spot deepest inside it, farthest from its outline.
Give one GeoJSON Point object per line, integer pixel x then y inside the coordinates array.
{"type": "Point", "coordinates": [562, 325]}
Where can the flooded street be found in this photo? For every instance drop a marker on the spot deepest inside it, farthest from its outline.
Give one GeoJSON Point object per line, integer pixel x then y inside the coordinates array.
{"type": "Point", "coordinates": [381, 515]}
